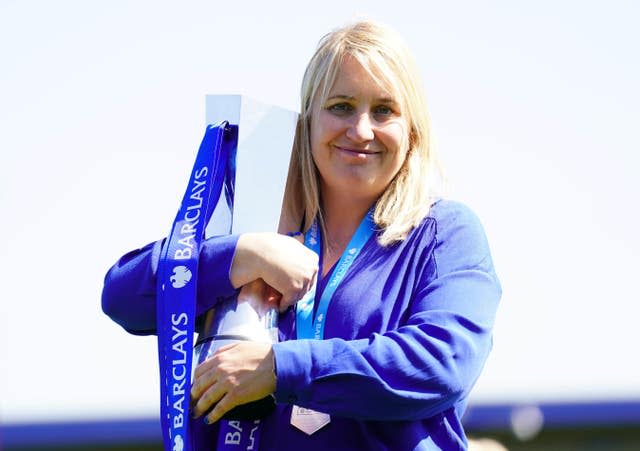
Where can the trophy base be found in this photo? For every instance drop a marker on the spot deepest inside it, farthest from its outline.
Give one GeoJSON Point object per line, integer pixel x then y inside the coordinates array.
{"type": "Point", "coordinates": [255, 410]}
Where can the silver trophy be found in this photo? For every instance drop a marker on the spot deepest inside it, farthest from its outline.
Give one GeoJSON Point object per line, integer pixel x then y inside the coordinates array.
{"type": "Point", "coordinates": [252, 201]}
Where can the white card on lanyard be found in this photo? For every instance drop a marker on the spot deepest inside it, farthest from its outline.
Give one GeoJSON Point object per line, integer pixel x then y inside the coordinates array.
{"type": "Point", "coordinates": [308, 420]}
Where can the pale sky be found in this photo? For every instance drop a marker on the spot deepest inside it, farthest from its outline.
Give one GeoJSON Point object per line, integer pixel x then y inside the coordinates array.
{"type": "Point", "coordinates": [535, 109]}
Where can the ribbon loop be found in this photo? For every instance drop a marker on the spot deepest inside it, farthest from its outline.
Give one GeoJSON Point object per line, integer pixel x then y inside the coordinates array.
{"type": "Point", "coordinates": [177, 281]}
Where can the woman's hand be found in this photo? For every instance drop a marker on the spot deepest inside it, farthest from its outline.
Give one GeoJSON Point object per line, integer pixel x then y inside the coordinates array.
{"type": "Point", "coordinates": [283, 262]}
{"type": "Point", "coordinates": [236, 374]}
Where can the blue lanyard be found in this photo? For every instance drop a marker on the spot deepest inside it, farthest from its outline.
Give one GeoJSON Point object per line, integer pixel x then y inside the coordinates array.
{"type": "Point", "coordinates": [306, 326]}
{"type": "Point", "coordinates": [177, 282]}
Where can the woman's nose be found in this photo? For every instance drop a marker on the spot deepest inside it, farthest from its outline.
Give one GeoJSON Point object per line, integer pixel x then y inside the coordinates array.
{"type": "Point", "coordinates": [361, 128]}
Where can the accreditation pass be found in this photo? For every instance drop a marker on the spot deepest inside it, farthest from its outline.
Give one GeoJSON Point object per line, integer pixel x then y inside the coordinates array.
{"type": "Point", "coordinates": [307, 420]}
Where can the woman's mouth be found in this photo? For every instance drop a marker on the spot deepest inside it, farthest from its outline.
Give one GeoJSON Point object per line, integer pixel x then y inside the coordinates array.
{"type": "Point", "coordinates": [361, 153]}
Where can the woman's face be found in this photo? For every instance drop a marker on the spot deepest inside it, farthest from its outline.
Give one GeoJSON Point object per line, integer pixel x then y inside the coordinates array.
{"type": "Point", "coordinates": [358, 136]}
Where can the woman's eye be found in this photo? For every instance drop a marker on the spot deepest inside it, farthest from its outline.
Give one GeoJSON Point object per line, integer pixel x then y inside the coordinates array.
{"type": "Point", "coordinates": [383, 110]}
{"type": "Point", "coordinates": [340, 108]}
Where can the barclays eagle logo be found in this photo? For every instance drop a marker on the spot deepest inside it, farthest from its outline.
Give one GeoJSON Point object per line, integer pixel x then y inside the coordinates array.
{"type": "Point", "coordinates": [181, 276]}
{"type": "Point", "coordinates": [178, 443]}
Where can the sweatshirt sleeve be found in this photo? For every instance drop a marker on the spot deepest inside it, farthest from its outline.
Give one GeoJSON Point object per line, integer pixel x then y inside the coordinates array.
{"type": "Point", "coordinates": [129, 293]}
{"type": "Point", "coordinates": [425, 366]}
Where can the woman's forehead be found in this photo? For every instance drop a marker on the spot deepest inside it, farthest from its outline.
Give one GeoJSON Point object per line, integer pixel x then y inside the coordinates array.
{"type": "Point", "coordinates": [354, 74]}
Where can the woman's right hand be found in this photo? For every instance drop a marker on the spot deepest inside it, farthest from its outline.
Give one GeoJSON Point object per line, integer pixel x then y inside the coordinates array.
{"type": "Point", "coordinates": [283, 262]}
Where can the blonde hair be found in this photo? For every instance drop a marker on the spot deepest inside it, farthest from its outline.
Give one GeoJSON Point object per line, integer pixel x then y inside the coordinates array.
{"type": "Point", "coordinates": [383, 54]}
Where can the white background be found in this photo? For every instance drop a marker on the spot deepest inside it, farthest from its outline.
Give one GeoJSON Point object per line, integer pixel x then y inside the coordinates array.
{"type": "Point", "coordinates": [535, 110]}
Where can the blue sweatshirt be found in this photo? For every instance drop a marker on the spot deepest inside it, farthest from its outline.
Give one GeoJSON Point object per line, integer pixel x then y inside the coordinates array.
{"type": "Point", "coordinates": [407, 333]}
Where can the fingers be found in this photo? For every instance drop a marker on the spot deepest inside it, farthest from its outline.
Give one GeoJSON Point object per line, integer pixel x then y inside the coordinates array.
{"type": "Point", "coordinates": [281, 261]}
{"type": "Point", "coordinates": [207, 399]}
{"type": "Point", "coordinates": [211, 363]}
{"type": "Point", "coordinates": [236, 374]}
{"type": "Point", "coordinates": [205, 389]}
{"type": "Point", "coordinates": [289, 267]}
{"type": "Point", "coordinates": [224, 405]}
{"type": "Point", "coordinates": [290, 298]}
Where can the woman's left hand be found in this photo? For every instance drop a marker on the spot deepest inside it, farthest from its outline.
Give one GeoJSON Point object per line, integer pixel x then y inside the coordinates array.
{"type": "Point", "coordinates": [235, 374]}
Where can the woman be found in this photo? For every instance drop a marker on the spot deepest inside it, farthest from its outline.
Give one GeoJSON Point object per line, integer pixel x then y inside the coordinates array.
{"type": "Point", "coordinates": [384, 354]}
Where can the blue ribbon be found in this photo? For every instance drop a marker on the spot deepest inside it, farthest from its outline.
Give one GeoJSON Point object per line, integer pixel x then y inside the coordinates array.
{"type": "Point", "coordinates": [306, 326]}
{"type": "Point", "coordinates": [239, 435]}
{"type": "Point", "coordinates": [177, 282]}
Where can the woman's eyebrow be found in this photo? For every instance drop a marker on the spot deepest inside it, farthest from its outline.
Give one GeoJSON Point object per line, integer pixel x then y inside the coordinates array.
{"type": "Point", "coordinates": [352, 98]}
{"type": "Point", "coordinates": [341, 97]}
{"type": "Point", "coordinates": [387, 100]}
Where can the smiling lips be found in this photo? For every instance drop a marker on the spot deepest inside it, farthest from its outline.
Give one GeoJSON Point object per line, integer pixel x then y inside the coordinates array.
{"type": "Point", "coordinates": [362, 153]}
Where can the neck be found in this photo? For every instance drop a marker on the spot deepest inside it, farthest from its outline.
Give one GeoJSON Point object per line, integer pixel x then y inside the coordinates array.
{"type": "Point", "coordinates": [342, 216]}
